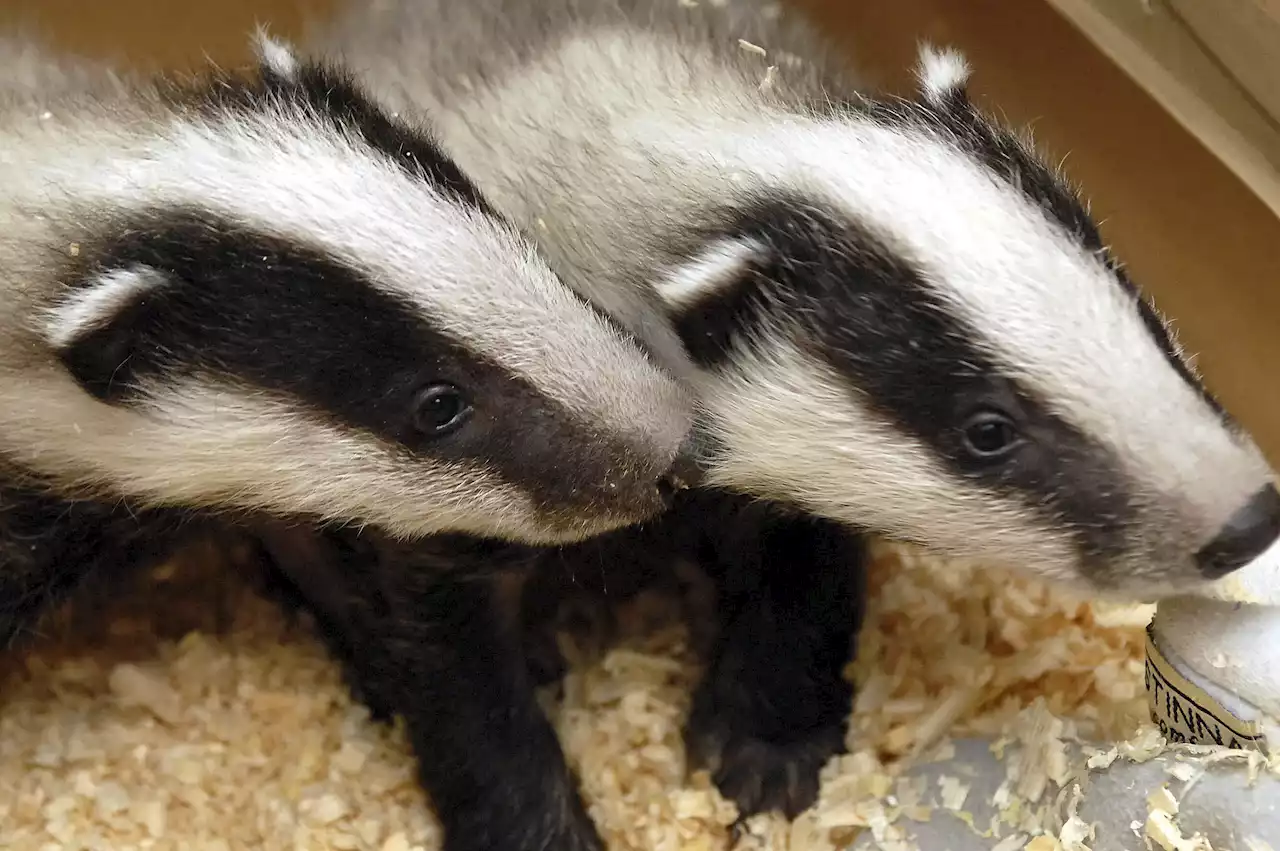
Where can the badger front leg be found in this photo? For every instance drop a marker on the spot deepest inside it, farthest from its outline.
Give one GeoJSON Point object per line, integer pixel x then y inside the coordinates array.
{"type": "Point", "coordinates": [489, 757]}
{"type": "Point", "coordinates": [773, 705]}
{"type": "Point", "coordinates": [430, 631]}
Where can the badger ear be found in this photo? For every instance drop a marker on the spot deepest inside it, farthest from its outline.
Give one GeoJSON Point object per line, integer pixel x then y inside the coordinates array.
{"type": "Point", "coordinates": [705, 297]}
{"type": "Point", "coordinates": [94, 329]}
{"type": "Point", "coordinates": [942, 75]}
{"type": "Point", "coordinates": [709, 274]}
{"type": "Point", "coordinates": [276, 57]}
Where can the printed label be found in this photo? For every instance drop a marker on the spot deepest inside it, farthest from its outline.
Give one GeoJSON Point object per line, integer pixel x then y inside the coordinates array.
{"type": "Point", "coordinates": [1185, 713]}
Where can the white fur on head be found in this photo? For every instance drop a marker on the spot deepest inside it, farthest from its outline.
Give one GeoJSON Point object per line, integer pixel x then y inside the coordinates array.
{"type": "Point", "coordinates": [685, 134]}
{"type": "Point", "coordinates": [941, 72]}
{"type": "Point", "coordinates": [277, 54]}
{"type": "Point", "coordinates": [96, 304]}
{"type": "Point", "coordinates": [716, 266]}
{"type": "Point", "coordinates": [203, 439]}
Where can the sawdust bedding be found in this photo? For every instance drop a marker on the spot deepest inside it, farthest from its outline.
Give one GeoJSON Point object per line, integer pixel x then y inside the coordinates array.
{"type": "Point", "coordinates": [189, 713]}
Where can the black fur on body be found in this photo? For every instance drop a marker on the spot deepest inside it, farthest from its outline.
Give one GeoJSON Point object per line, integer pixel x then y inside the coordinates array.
{"type": "Point", "coordinates": [51, 547]}
{"type": "Point", "coordinates": [431, 631]}
{"type": "Point", "coordinates": [455, 634]}
{"type": "Point", "coordinates": [773, 702]}
{"type": "Point", "coordinates": [892, 312]}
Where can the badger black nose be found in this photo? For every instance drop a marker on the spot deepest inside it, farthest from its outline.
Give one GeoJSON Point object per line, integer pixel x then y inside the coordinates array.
{"type": "Point", "coordinates": [683, 473]}
{"type": "Point", "coordinates": [1248, 532]}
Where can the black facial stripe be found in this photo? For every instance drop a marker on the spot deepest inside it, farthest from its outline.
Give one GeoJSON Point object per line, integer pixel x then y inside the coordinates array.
{"type": "Point", "coordinates": [877, 322]}
{"type": "Point", "coordinates": [276, 315]}
{"type": "Point", "coordinates": [712, 324]}
{"type": "Point", "coordinates": [1007, 158]}
{"type": "Point", "coordinates": [332, 94]}
{"type": "Point", "coordinates": [1012, 163]}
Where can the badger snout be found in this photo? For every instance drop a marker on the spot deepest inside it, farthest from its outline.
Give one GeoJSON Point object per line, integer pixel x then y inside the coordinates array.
{"type": "Point", "coordinates": [1248, 532]}
{"type": "Point", "coordinates": [615, 484]}
{"type": "Point", "coordinates": [685, 471]}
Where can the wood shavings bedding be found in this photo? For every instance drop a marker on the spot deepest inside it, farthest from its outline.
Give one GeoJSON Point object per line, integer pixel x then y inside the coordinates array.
{"type": "Point", "coordinates": [147, 727]}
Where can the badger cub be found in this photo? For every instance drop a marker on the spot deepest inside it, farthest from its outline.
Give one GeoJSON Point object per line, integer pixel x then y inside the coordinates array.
{"type": "Point", "coordinates": [261, 293]}
{"type": "Point", "coordinates": [893, 316]}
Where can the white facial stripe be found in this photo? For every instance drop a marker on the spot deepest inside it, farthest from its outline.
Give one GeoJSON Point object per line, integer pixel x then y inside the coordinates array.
{"type": "Point", "coordinates": [93, 306]}
{"type": "Point", "coordinates": [940, 72]}
{"type": "Point", "coordinates": [200, 443]}
{"type": "Point", "coordinates": [1044, 306]}
{"type": "Point", "coordinates": [792, 430]}
{"type": "Point", "coordinates": [717, 266]}
{"type": "Point", "coordinates": [473, 276]}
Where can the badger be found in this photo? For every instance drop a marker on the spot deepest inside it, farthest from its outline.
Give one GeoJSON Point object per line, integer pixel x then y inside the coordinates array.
{"type": "Point", "coordinates": [892, 313]}
{"type": "Point", "coordinates": [260, 293]}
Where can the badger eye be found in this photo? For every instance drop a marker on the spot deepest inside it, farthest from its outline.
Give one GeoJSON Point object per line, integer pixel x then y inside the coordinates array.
{"type": "Point", "coordinates": [440, 409]}
{"type": "Point", "coordinates": [989, 435]}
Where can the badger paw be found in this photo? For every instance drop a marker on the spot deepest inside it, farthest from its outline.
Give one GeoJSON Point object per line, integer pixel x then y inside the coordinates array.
{"type": "Point", "coordinates": [762, 776]}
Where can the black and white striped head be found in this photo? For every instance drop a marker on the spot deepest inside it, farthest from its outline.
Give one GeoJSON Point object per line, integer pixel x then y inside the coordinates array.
{"type": "Point", "coordinates": [283, 299]}
{"type": "Point", "coordinates": [906, 321]}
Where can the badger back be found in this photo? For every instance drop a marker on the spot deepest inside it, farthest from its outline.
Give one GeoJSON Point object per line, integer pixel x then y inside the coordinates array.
{"type": "Point", "coordinates": [263, 292]}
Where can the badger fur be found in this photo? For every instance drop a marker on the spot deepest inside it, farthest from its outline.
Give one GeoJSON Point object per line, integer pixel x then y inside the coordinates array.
{"type": "Point", "coordinates": [50, 545]}
{"type": "Point", "coordinates": [259, 293]}
{"type": "Point", "coordinates": [893, 314]}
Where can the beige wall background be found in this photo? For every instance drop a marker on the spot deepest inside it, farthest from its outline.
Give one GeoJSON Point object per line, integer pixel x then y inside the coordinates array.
{"type": "Point", "coordinates": [1192, 234]}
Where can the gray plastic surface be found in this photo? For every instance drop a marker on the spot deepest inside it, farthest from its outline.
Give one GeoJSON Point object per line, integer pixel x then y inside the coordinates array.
{"type": "Point", "coordinates": [1222, 804]}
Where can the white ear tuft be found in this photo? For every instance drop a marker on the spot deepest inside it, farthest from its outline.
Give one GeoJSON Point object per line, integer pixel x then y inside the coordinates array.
{"type": "Point", "coordinates": [941, 73]}
{"type": "Point", "coordinates": [717, 266]}
{"type": "Point", "coordinates": [95, 304]}
{"type": "Point", "coordinates": [276, 54]}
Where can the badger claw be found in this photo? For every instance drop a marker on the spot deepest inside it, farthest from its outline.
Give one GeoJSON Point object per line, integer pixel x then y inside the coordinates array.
{"type": "Point", "coordinates": [759, 775]}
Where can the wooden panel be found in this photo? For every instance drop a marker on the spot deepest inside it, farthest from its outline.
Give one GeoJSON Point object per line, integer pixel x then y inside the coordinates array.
{"type": "Point", "coordinates": [1152, 44]}
{"type": "Point", "coordinates": [1242, 35]}
{"type": "Point", "coordinates": [165, 33]}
